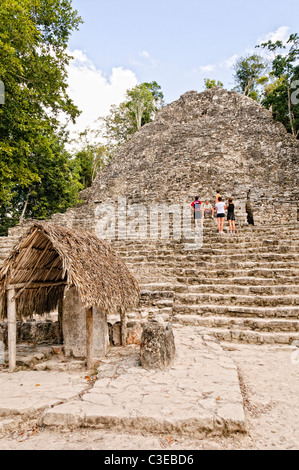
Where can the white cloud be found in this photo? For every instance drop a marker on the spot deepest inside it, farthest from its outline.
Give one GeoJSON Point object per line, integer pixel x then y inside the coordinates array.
{"type": "Point", "coordinates": [223, 64]}
{"type": "Point", "coordinates": [92, 91]}
{"type": "Point", "coordinates": [144, 54]}
{"type": "Point", "coordinates": [281, 34]}
{"type": "Point", "coordinates": [207, 68]}
{"type": "Point", "coordinates": [144, 61]}
{"type": "Point", "coordinates": [228, 63]}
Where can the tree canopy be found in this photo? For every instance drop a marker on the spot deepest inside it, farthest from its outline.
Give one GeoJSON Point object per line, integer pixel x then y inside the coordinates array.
{"type": "Point", "coordinates": [34, 166]}
{"type": "Point", "coordinates": [209, 83]}
{"type": "Point", "coordinates": [139, 108]}
{"type": "Point", "coordinates": [249, 74]}
{"type": "Point", "coordinates": [280, 90]}
{"type": "Point", "coordinates": [272, 79]}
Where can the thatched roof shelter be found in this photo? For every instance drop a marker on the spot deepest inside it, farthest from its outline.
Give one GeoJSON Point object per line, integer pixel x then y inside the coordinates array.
{"type": "Point", "coordinates": [49, 257]}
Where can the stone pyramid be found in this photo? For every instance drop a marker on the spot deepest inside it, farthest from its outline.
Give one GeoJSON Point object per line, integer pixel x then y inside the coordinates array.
{"type": "Point", "coordinates": [202, 142]}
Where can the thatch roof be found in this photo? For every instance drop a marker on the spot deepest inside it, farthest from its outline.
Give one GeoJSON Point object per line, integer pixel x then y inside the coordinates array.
{"type": "Point", "coordinates": [49, 257]}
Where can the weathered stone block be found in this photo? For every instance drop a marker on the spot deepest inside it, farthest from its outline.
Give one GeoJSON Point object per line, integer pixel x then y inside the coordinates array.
{"type": "Point", "coordinates": [117, 333]}
{"type": "Point", "coordinates": [74, 327]}
{"type": "Point", "coordinates": [134, 333]}
{"type": "Point", "coordinates": [157, 348]}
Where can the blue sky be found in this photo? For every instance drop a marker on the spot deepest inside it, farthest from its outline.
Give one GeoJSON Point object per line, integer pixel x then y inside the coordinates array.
{"type": "Point", "coordinates": [178, 43]}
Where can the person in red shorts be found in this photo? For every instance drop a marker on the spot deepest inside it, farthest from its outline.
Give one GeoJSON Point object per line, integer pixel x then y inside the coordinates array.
{"type": "Point", "coordinates": [196, 206]}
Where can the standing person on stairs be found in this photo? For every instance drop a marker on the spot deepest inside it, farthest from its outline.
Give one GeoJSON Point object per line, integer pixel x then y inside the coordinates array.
{"type": "Point", "coordinates": [220, 207]}
{"type": "Point", "coordinates": [197, 209]}
{"type": "Point", "coordinates": [231, 215]}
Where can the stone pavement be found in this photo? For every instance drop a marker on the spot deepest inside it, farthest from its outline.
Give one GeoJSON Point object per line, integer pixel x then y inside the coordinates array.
{"type": "Point", "coordinates": [198, 395]}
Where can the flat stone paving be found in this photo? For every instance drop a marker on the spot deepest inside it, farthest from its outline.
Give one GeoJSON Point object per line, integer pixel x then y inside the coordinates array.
{"type": "Point", "coordinates": [198, 395]}
{"type": "Point", "coordinates": [29, 393]}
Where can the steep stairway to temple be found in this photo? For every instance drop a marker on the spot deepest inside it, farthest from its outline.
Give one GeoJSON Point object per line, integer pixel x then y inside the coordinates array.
{"type": "Point", "coordinates": [242, 287]}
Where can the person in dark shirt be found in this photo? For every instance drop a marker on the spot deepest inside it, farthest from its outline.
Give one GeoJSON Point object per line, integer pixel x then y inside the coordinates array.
{"type": "Point", "coordinates": [231, 216]}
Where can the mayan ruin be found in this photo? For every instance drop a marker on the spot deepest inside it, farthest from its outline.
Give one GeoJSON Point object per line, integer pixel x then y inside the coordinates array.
{"type": "Point", "coordinates": [149, 288]}
{"type": "Point", "coordinates": [241, 288]}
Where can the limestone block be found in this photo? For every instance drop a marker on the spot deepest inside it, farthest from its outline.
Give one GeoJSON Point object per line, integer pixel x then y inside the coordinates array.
{"type": "Point", "coordinates": [157, 348]}
{"type": "Point", "coordinates": [74, 327]}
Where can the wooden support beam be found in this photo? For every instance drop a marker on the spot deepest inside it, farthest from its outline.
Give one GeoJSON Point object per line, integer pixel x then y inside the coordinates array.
{"type": "Point", "coordinates": [89, 339]}
{"type": "Point", "coordinates": [12, 330]}
{"type": "Point", "coordinates": [123, 326]}
{"type": "Point", "coordinates": [34, 285]}
{"type": "Point", "coordinates": [60, 320]}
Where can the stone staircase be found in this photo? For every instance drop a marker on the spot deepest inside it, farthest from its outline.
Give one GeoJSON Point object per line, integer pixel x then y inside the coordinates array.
{"type": "Point", "coordinates": [6, 245]}
{"type": "Point", "coordinates": [242, 287]}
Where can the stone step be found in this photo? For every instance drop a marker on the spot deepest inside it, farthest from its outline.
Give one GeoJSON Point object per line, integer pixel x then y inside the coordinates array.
{"type": "Point", "coordinates": [247, 281]}
{"type": "Point", "coordinates": [5, 251]}
{"type": "Point", "coordinates": [208, 267]}
{"type": "Point", "coordinates": [247, 336]}
{"type": "Point", "coordinates": [156, 294]}
{"type": "Point", "coordinates": [221, 260]}
{"type": "Point", "coordinates": [143, 312]}
{"type": "Point", "coordinates": [206, 242]}
{"type": "Point", "coordinates": [233, 289]}
{"type": "Point", "coordinates": [241, 311]}
{"type": "Point", "coordinates": [229, 251]}
{"type": "Point", "coordinates": [206, 248]}
{"type": "Point", "coordinates": [157, 287]}
{"type": "Point", "coordinates": [237, 254]}
{"type": "Point", "coordinates": [208, 228]}
{"type": "Point", "coordinates": [193, 275]}
{"type": "Point", "coordinates": [233, 323]}
{"type": "Point", "coordinates": [234, 299]}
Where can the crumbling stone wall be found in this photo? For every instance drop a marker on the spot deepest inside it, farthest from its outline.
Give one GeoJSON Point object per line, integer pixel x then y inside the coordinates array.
{"type": "Point", "coordinates": [33, 332]}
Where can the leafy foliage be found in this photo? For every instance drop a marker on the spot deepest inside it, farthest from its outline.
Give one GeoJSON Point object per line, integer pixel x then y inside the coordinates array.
{"type": "Point", "coordinates": [139, 108]}
{"type": "Point", "coordinates": [90, 159]}
{"type": "Point", "coordinates": [283, 80]}
{"type": "Point", "coordinates": [249, 74]}
{"type": "Point", "coordinates": [212, 83]}
{"type": "Point", "coordinates": [34, 166]}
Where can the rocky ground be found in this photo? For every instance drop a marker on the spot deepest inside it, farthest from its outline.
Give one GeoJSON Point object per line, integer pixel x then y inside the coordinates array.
{"type": "Point", "coordinates": [269, 382]}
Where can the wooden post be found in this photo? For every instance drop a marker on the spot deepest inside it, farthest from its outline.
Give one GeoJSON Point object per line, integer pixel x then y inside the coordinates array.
{"type": "Point", "coordinates": [12, 329]}
{"type": "Point", "coordinates": [123, 326]}
{"type": "Point", "coordinates": [60, 320]}
{"type": "Point", "coordinates": [89, 339]}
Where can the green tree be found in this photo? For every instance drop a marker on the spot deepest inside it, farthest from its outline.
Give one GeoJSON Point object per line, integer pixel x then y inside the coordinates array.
{"type": "Point", "coordinates": [283, 81]}
{"type": "Point", "coordinates": [139, 108]}
{"type": "Point", "coordinates": [212, 83]}
{"type": "Point", "coordinates": [90, 159]}
{"type": "Point", "coordinates": [55, 189]}
{"type": "Point", "coordinates": [249, 74]}
{"type": "Point", "coordinates": [33, 62]}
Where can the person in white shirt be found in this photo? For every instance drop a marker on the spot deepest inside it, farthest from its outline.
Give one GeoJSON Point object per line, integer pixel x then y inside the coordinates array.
{"type": "Point", "coordinates": [220, 208]}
